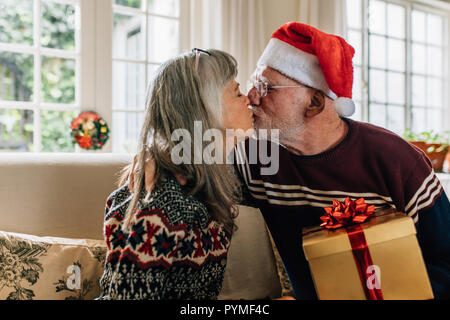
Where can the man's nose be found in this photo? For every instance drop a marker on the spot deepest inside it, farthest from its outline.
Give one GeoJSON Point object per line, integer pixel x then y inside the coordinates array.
{"type": "Point", "coordinates": [254, 97]}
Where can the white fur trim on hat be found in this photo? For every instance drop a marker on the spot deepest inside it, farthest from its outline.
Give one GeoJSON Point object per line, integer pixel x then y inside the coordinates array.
{"type": "Point", "coordinates": [344, 106]}
{"type": "Point", "coordinates": [296, 64]}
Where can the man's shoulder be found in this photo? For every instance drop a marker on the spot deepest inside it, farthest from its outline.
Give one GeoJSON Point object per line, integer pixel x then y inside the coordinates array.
{"type": "Point", "coordinates": [383, 143]}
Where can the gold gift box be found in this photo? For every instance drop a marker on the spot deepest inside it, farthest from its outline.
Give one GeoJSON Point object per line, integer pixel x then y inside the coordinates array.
{"type": "Point", "coordinates": [393, 246]}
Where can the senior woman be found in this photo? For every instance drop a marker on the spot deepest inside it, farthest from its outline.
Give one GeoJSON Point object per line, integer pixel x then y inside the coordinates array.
{"type": "Point", "coordinates": [171, 242]}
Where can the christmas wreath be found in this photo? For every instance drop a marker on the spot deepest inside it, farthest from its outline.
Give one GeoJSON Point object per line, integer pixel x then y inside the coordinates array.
{"type": "Point", "coordinates": [90, 131]}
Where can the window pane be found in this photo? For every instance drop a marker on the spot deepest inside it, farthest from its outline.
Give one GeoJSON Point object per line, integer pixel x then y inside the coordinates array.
{"type": "Point", "coordinates": [434, 29]}
{"type": "Point", "coordinates": [58, 26]}
{"type": "Point", "coordinates": [434, 120]}
{"type": "Point", "coordinates": [16, 21]}
{"type": "Point", "coordinates": [16, 130]}
{"type": "Point", "coordinates": [128, 85]}
{"type": "Point", "coordinates": [164, 7]}
{"type": "Point", "coordinates": [377, 114]}
{"type": "Point", "coordinates": [396, 21]}
{"type": "Point", "coordinates": [434, 95]}
{"type": "Point", "coordinates": [358, 112]}
{"type": "Point", "coordinates": [163, 39]}
{"type": "Point", "coordinates": [434, 61]}
{"type": "Point", "coordinates": [418, 91]}
{"type": "Point", "coordinates": [418, 58]}
{"type": "Point", "coordinates": [396, 55]}
{"type": "Point", "coordinates": [16, 76]}
{"type": "Point", "coordinates": [396, 88]}
{"type": "Point", "coordinates": [377, 86]}
{"type": "Point", "coordinates": [58, 80]}
{"type": "Point", "coordinates": [130, 3]}
{"type": "Point", "coordinates": [354, 39]}
{"type": "Point", "coordinates": [377, 47]}
{"type": "Point", "coordinates": [357, 80]}
{"type": "Point", "coordinates": [129, 37]}
{"type": "Point", "coordinates": [56, 131]}
{"type": "Point", "coordinates": [418, 120]}
{"type": "Point", "coordinates": [126, 129]}
{"type": "Point", "coordinates": [396, 119]}
{"type": "Point", "coordinates": [418, 26]}
{"type": "Point", "coordinates": [377, 16]}
{"type": "Point", "coordinates": [151, 69]}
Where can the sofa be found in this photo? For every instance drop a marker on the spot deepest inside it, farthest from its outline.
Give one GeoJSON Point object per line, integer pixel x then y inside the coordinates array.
{"type": "Point", "coordinates": [51, 230]}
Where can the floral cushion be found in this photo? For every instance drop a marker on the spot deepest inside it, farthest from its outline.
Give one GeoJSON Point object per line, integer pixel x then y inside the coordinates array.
{"type": "Point", "coordinates": [49, 268]}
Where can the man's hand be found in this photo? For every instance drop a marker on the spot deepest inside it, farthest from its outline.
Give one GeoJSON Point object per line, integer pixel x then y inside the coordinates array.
{"type": "Point", "coordinates": [149, 175]}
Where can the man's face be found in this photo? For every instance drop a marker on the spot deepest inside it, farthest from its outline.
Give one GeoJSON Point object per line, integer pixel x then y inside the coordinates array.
{"type": "Point", "coordinates": [281, 108]}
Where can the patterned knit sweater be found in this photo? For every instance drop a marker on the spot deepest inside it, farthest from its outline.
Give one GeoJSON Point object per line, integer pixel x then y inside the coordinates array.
{"type": "Point", "coordinates": [173, 251]}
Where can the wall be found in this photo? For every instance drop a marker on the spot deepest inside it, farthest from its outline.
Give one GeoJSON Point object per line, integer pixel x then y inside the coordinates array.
{"type": "Point", "coordinates": [276, 13]}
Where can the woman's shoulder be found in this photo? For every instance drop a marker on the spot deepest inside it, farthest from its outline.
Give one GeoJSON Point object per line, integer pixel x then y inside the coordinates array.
{"type": "Point", "coordinates": [118, 199]}
{"type": "Point", "coordinates": [178, 205]}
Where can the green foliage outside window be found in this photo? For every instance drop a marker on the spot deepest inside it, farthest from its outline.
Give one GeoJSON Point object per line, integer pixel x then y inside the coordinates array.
{"type": "Point", "coordinates": [17, 70]}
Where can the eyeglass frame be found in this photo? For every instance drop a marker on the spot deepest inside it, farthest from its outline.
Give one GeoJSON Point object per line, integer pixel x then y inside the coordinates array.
{"type": "Point", "coordinates": [197, 52]}
{"type": "Point", "coordinates": [265, 86]}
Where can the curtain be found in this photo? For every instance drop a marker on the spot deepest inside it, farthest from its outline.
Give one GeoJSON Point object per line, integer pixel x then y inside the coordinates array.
{"type": "Point", "coordinates": [235, 26]}
{"type": "Point", "coordinates": [326, 15]}
{"type": "Point", "coordinates": [240, 27]}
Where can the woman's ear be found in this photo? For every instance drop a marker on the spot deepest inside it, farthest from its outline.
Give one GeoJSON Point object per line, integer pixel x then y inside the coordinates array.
{"type": "Point", "coordinates": [317, 104]}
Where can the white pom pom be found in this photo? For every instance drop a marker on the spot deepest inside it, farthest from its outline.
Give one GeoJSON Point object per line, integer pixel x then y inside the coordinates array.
{"type": "Point", "coordinates": [344, 106]}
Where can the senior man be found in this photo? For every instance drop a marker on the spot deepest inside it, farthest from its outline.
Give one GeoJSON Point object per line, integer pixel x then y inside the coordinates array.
{"type": "Point", "coordinates": [302, 87]}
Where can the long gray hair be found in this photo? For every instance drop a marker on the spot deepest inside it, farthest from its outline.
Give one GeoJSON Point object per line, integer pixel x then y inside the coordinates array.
{"type": "Point", "coordinates": [186, 89]}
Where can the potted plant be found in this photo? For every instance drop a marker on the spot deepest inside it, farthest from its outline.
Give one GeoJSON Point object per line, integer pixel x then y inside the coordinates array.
{"type": "Point", "coordinates": [434, 144]}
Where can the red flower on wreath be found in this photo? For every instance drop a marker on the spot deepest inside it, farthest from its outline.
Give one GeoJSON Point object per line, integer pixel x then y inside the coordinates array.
{"type": "Point", "coordinates": [85, 142]}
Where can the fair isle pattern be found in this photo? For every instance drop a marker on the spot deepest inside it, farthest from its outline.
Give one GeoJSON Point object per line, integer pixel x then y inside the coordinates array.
{"type": "Point", "coordinates": [174, 249]}
{"type": "Point", "coordinates": [154, 241]}
{"type": "Point", "coordinates": [181, 283]}
{"type": "Point", "coordinates": [296, 195]}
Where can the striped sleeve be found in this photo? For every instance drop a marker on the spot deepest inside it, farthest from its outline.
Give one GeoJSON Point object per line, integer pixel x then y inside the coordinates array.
{"type": "Point", "coordinates": [421, 189]}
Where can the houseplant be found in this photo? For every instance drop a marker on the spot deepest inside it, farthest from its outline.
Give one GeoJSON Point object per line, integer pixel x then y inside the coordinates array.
{"type": "Point", "coordinates": [434, 144]}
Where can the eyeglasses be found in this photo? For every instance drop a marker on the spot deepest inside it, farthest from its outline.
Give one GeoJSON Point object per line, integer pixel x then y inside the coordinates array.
{"type": "Point", "coordinates": [262, 87]}
{"type": "Point", "coordinates": [197, 52]}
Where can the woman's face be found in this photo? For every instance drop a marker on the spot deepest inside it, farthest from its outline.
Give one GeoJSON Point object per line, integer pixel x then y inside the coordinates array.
{"type": "Point", "coordinates": [236, 113]}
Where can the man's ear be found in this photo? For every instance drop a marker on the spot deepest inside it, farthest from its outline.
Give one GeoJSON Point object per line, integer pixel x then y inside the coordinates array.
{"type": "Point", "coordinates": [317, 104]}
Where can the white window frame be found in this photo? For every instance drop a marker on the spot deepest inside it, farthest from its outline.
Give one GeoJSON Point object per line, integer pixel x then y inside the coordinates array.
{"type": "Point", "coordinates": [37, 51]}
{"type": "Point", "coordinates": [93, 73]}
{"type": "Point", "coordinates": [145, 61]}
{"type": "Point", "coordinates": [102, 98]}
{"type": "Point", "coordinates": [430, 6]}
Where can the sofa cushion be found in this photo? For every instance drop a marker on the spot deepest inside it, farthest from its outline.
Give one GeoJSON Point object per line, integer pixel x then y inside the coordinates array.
{"type": "Point", "coordinates": [49, 268]}
{"type": "Point", "coordinates": [251, 271]}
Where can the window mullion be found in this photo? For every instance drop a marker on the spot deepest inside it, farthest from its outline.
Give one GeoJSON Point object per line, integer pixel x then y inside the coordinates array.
{"type": "Point", "coordinates": [386, 71]}
{"type": "Point", "coordinates": [103, 63]}
{"type": "Point", "coordinates": [408, 68]}
{"type": "Point", "coordinates": [365, 62]}
{"type": "Point", "coordinates": [37, 92]}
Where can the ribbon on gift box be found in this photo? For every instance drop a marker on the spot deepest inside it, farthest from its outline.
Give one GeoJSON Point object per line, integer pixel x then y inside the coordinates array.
{"type": "Point", "coordinates": [350, 214]}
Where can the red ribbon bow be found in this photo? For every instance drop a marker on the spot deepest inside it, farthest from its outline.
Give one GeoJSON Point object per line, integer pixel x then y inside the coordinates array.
{"type": "Point", "coordinates": [347, 213]}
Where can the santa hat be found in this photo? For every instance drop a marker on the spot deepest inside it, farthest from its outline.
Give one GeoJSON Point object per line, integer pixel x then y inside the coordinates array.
{"type": "Point", "coordinates": [314, 58]}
